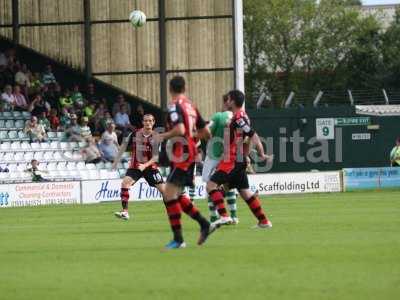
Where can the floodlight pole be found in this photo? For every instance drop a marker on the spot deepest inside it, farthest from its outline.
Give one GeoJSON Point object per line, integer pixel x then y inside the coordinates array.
{"type": "Point", "coordinates": [237, 12]}
{"type": "Point", "coordinates": [163, 57]}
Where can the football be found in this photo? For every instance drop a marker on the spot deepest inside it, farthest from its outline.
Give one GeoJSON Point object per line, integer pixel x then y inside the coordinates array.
{"type": "Point", "coordinates": [137, 18]}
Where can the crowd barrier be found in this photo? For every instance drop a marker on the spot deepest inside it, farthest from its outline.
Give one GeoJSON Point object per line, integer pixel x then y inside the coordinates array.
{"type": "Point", "coordinates": [96, 191]}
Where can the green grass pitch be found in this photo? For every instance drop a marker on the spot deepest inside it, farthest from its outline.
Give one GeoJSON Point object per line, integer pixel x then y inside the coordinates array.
{"type": "Point", "coordinates": [323, 246]}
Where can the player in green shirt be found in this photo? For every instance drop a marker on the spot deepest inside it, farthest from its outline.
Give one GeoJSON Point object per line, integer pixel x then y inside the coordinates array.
{"type": "Point", "coordinates": [215, 151]}
{"type": "Point", "coordinates": [395, 154]}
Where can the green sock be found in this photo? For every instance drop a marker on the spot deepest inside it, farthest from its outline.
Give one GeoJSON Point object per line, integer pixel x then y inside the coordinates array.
{"type": "Point", "coordinates": [231, 199]}
{"type": "Point", "coordinates": [213, 212]}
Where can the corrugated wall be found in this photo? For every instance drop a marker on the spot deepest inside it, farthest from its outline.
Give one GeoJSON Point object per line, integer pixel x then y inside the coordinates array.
{"type": "Point", "coordinates": [117, 47]}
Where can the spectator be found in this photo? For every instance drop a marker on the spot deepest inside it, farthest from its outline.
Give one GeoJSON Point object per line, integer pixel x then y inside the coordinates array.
{"type": "Point", "coordinates": [77, 98]}
{"type": "Point", "coordinates": [91, 95]}
{"type": "Point", "coordinates": [122, 122]}
{"type": "Point", "coordinates": [89, 110]}
{"type": "Point", "coordinates": [91, 153]}
{"type": "Point", "coordinates": [52, 94]}
{"type": "Point", "coordinates": [109, 143]}
{"type": "Point", "coordinates": [36, 173]}
{"type": "Point", "coordinates": [38, 106]}
{"type": "Point", "coordinates": [36, 84]}
{"type": "Point", "coordinates": [48, 76]}
{"type": "Point", "coordinates": [395, 154]}
{"type": "Point", "coordinates": [66, 101]}
{"type": "Point", "coordinates": [120, 102]}
{"type": "Point", "coordinates": [105, 121]}
{"type": "Point", "coordinates": [54, 119]}
{"type": "Point", "coordinates": [73, 131]}
{"type": "Point", "coordinates": [86, 133]}
{"type": "Point", "coordinates": [20, 100]}
{"type": "Point", "coordinates": [42, 120]}
{"type": "Point", "coordinates": [7, 98]}
{"type": "Point", "coordinates": [35, 131]}
{"type": "Point", "coordinates": [65, 119]}
{"type": "Point", "coordinates": [97, 118]}
{"type": "Point", "coordinates": [137, 117]}
{"type": "Point", "coordinates": [22, 78]}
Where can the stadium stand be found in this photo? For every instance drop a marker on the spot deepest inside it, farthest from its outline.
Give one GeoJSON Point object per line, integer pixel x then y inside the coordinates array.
{"type": "Point", "coordinates": [59, 158]}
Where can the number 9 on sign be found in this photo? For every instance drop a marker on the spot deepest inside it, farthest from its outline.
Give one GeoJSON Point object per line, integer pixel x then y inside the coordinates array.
{"type": "Point", "coordinates": [325, 128]}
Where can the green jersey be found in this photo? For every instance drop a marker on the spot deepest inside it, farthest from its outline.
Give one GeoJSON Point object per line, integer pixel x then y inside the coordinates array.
{"type": "Point", "coordinates": [395, 155]}
{"type": "Point", "coordinates": [220, 121]}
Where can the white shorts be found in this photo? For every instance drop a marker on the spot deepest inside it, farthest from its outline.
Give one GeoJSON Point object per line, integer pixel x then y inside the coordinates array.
{"type": "Point", "coordinates": [209, 167]}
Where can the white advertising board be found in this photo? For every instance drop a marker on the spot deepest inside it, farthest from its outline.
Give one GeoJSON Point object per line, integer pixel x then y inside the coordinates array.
{"type": "Point", "coordinates": [45, 193]}
{"type": "Point", "coordinates": [267, 184]}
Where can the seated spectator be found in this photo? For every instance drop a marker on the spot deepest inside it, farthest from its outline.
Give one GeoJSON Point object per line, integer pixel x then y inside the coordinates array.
{"type": "Point", "coordinates": [122, 122]}
{"type": "Point", "coordinates": [22, 78]}
{"type": "Point", "coordinates": [91, 95]}
{"type": "Point", "coordinates": [73, 131]}
{"type": "Point", "coordinates": [48, 76]}
{"type": "Point", "coordinates": [109, 143]}
{"type": "Point", "coordinates": [42, 120]}
{"type": "Point", "coordinates": [77, 98]}
{"type": "Point", "coordinates": [7, 98]}
{"type": "Point", "coordinates": [86, 133]}
{"type": "Point", "coordinates": [52, 93]}
{"type": "Point", "coordinates": [91, 153]}
{"type": "Point", "coordinates": [105, 121]}
{"type": "Point", "coordinates": [36, 84]}
{"type": "Point", "coordinates": [395, 154]}
{"type": "Point", "coordinates": [36, 173]}
{"type": "Point", "coordinates": [66, 101]}
{"type": "Point", "coordinates": [121, 102]}
{"type": "Point", "coordinates": [137, 117]}
{"type": "Point", "coordinates": [54, 119]}
{"type": "Point", "coordinates": [89, 110]}
{"type": "Point", "coordinates": [20, 100]}
{"type": "Point", "coordinates": [38, 106]}
{"type": "Point", "coordinates": [35, 131]}
{"type": "Point", "coordinates": [65, 119]}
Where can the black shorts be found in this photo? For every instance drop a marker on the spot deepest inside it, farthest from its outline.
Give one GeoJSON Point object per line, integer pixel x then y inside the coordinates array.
{"type": "Point", "coordinates": [236, 179]}
{"type": "Point", "coordinates": [181, 177]}
{"type": "Point", "coordinates": [152, 176]}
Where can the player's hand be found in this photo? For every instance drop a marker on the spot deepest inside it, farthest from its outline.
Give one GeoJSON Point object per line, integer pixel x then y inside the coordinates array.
{"type": "Point", "coordinates": [141, 167]}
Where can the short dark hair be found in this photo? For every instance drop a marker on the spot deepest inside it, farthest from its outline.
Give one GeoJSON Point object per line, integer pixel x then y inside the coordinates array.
{"type": "Point", "coordinates": [177, 84]}
{"type": "Point", "coordinates": [237, 97]}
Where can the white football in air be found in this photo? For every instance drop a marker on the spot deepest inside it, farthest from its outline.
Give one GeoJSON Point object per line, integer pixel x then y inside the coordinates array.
{"type": "Point", "coordinates": [137, 18]}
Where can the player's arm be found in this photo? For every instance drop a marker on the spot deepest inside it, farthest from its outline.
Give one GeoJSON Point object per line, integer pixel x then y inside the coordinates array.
{"type": "Point", "coordinates": [175, 117]}
{"type": "Point", "coordinates": [121, 151]}
{"type": "Point", "coordinates": [253, 137]}
{"type": "Point", "coordinates": [203, 132]}
{"type": "Point", "coordinates": [147, 164]}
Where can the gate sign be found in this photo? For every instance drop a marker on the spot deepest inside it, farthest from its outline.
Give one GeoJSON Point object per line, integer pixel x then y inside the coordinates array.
{"type": "Point", "coordinates": [325, 128]}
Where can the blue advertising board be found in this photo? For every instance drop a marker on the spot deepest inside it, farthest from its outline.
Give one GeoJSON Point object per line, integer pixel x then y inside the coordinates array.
{"type": "Point", "coordinates": [371, 178]}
